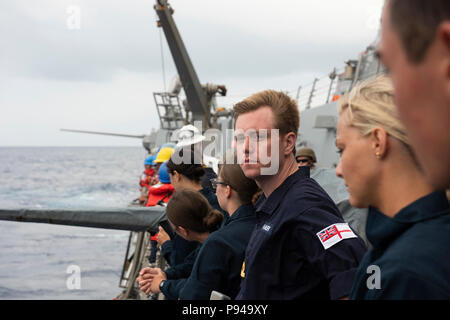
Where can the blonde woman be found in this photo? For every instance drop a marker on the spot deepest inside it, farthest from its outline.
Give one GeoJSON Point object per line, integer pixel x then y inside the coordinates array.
{"type": "Point", "coordinates": [408, 222]}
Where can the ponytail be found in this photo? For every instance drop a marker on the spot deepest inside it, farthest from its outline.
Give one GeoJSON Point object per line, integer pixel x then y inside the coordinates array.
{"type": "Point", "coordinates": [256, 196]}
{"type": "Point", "coordinates": [213, 220]}
{"type": "Point", "coordinates": [190, 209]}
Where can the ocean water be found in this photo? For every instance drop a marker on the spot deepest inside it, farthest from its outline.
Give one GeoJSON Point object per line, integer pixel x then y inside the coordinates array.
{"type": "Point", "coordinates": [37, 261]}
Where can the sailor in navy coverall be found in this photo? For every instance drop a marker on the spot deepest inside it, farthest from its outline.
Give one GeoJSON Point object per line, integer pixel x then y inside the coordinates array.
{"type": "Point", "coordinates": [177, 250]}
{"type": "Point", "coordinates": [292, 252]}
{"type": "Point", "coordinates": [218, 261]}
{"type": "Point", "coordinates": [410, 256]}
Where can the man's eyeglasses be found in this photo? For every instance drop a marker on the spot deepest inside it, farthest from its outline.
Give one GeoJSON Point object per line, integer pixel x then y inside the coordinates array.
{"type": "Point", "coordinates": [214, 182]}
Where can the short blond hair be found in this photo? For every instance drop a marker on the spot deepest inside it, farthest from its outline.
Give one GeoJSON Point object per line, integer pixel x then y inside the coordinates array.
{"type": "Point", "coordinates": [284, 108]}
{"type": "Point", "coordinates": [371, 104]}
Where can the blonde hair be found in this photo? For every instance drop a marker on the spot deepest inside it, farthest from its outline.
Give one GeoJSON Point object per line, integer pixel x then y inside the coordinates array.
{"type": "Point", "coordinates": [371, 104]}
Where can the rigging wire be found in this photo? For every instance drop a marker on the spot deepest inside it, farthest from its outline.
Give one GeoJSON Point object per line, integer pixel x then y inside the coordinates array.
{"type": "Point", "coordinates": [162, 59]}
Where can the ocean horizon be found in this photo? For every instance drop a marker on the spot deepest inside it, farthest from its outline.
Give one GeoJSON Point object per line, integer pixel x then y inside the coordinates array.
{"type": "Point", "coordinates": [37, 259]}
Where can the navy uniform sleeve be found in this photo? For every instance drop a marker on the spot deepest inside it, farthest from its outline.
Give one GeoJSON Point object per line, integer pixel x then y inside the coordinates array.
{"type": "Point", "coordinates": [172, 288]}
{"type": "Point", "coordinates": [207, 273]}
{"type": "Point", "coordinates": [338, 263]}
{"type": "Point", "coordinates": [183, 270]}
{"type": "Point", "coordinates": [166, 251]}
{"type": "Point", "coordinates": [182, 248]}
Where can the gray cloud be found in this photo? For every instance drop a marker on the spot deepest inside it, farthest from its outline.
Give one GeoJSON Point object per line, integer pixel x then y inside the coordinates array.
{"type": "Point", "coordinates": [101, 77]}
{"type": "Point", "coordinates": [110, 40]}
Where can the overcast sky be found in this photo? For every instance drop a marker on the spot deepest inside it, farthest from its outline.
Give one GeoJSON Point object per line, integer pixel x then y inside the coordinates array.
{"type": "Point", "coordinates": [94, 64]}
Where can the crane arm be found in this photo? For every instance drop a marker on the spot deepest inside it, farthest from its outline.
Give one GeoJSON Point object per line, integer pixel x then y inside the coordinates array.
{"type": "Point", "coordinates": [195, 96]}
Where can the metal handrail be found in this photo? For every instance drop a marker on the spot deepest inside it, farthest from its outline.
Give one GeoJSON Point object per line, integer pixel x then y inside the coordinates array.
{"type": "Point", "coordinates": [133, 219]}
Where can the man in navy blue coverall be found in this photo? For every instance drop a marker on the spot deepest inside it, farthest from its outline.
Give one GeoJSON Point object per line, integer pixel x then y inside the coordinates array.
{"type": "Point", "coordinates": [301, 247]}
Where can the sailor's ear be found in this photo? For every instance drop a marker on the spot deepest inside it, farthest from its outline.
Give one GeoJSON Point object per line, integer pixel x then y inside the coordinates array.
{"type": "Point", "coordinates": [379, 142]}
{"type": "Point", "coordinates": [183, 231]}
{"type": "Point", "coordinates": [228, 191]}
{"type": "Point", "coordinates": [289, 139]}
{"type": "Point", "coordinates": [176, 175]}
{"type": "Point", "coordinates": [443, 45]}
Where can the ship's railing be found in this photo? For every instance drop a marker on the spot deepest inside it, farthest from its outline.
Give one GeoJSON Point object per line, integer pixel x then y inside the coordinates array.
{"type": "Point", "coordinates": [315, 93]}
{"type": "Point", "coordinates": [328, 88]}
{"type": "Point", "coordinates": [319, 91]}
{"type": "Point", "coordinates": [133, 219]}
{"type": "Point", "coordinates": [139, 220]}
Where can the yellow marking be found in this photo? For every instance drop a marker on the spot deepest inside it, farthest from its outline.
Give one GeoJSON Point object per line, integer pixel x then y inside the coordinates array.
{"type": "Point", "coordinates": [243, 270]}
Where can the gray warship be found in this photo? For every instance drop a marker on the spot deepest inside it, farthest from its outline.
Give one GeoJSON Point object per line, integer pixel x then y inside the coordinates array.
{"type": "Point", "coordinates": [317, 100]}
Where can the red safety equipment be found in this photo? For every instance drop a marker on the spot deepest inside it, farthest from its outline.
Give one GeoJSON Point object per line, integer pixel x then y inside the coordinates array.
{"type": "Point", "coordinates": [144, 181]}
{"type": "Point", "coordinates": [159, 192]}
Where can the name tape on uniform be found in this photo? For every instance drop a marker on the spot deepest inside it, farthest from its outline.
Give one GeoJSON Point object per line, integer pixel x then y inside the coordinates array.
{"type": "Point", "coordinates": [334, 234]}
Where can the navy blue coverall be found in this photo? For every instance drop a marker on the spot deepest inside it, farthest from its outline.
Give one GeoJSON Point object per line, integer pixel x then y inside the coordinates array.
{"type": "Point", "coordinates": [301, 247]}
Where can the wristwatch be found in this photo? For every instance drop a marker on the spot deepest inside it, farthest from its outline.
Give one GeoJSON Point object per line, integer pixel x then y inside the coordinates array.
{"type": "Point", "coordinates": [161, 285]}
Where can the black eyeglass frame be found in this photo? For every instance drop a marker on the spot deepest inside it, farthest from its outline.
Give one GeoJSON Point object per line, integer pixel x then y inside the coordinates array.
{"type": "Point", "coordinates": [214, 182]}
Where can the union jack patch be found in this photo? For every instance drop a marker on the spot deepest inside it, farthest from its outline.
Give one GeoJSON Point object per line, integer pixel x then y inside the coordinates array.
{"type": "Point", "coordinates": [334, 234]}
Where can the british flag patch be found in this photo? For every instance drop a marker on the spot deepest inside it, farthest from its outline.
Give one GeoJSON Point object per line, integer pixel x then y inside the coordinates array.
{"type": "Point", "coordinates": [334, 234]}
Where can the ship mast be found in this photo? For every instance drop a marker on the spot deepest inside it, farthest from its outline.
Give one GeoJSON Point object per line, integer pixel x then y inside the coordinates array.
{"type": "Point", "coordinates": [191, 84]}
